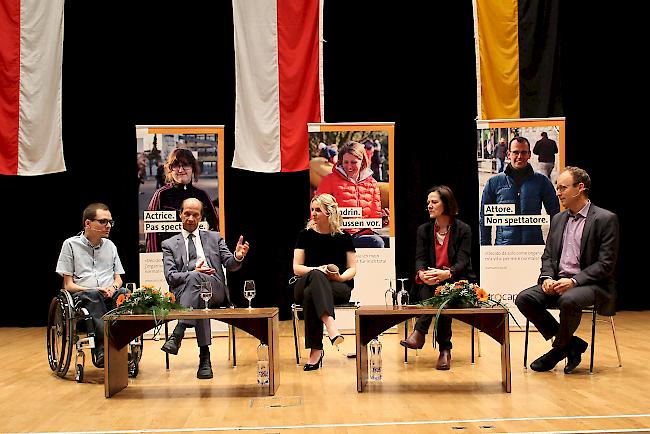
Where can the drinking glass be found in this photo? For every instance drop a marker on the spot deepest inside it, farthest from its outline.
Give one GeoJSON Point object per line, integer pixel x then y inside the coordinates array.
{"type": "Point", "coordinates": [249, 291]}
{"type": "Point", "coordinates": [206, 292]}
{"type": "Point", "coordinates": [389, 295]}
{"type": "Point", "coordinates": [403, 295]}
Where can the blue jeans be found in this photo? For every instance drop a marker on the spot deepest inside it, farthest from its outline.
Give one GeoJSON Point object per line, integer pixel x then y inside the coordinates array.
{"type": "Point", "coordinates": [501, 165]}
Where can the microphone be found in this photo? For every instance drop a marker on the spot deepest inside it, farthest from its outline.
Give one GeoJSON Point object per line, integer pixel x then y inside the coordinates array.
{"type": "Point", "coordinates": [578, 193]}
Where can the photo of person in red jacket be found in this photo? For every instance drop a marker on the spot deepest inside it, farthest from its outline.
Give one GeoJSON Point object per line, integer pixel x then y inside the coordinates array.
{"type": "Point", "coordinates": [352, 184]}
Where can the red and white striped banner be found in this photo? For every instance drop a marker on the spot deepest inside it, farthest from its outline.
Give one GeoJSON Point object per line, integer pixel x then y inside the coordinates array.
{"type": "Point", "coordinates": [31, 56]}
{"type": "Point", "coordinates": [278, 68]}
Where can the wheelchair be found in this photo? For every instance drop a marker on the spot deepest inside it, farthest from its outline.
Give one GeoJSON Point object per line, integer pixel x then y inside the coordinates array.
{"type": "Point", "coordinates": [65, 320]}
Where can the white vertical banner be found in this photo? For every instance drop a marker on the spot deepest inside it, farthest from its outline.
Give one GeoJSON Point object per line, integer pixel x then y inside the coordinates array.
{"type": "Point", "coordinates": [518, 164]}
{"type": "Point", "coordinates": [369, 216]}
{"type": "Point", "coordinates": [159, 198]}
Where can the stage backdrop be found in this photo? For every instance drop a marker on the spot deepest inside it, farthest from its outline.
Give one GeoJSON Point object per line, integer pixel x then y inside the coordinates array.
{"type": "Point", "coordinates": [507, 265]}
{"type": "Point", "coordinates": [159, 217]}
{"type": "Point", "coordinates": [373, 232]}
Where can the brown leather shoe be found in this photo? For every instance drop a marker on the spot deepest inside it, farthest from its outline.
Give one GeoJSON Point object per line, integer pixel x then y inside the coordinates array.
{"type": "Point", "coordinates": [444, 360]}
{"type": "Point", "coordinates": [415, 341]}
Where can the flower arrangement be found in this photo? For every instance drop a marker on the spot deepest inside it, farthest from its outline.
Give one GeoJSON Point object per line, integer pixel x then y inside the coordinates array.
{"type": "Point", "coordinates": [458, 294]}
{"type": "Point", "coordinates": [461, 294]}
{"type": "Point", "coordinates": [147, 299]}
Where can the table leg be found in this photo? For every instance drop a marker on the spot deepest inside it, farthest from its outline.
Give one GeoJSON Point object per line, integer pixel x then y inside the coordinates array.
{"type": "Point", "coordinates": [274, 354]}
{"type": "Point", "coordinates": [116, 369]}
{"type": "Point", "coordinates": [362, 358]}
{"type": "Point", "coordinates": [505, 356]}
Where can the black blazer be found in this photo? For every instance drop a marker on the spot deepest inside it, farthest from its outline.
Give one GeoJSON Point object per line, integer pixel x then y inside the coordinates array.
{"type": "Point", "coordinates": [598, 254]}
{"type": "Point", "coordinates": [459, 251]}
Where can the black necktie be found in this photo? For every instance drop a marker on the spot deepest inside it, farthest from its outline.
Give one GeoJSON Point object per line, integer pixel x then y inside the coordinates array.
{"type": "Point", "coordinates": [191, 253]}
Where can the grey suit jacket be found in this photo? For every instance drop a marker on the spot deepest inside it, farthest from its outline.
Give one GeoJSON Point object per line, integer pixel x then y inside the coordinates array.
{"type": "Point", "coordinates": [216, 254]}
{"type": "Point", "coordinates": [598, 254]}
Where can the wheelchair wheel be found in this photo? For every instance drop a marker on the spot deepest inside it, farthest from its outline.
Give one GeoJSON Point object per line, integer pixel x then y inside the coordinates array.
{"type": "Point", "coordinates": [61, 333]}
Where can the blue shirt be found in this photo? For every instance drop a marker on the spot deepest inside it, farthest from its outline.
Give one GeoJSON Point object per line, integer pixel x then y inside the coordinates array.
{"type": "Point", "coordinates": [90, 267]}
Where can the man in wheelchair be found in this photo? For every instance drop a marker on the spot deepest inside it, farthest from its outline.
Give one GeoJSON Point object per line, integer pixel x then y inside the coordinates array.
{"type": "Point", "coordinates": [91, 270]}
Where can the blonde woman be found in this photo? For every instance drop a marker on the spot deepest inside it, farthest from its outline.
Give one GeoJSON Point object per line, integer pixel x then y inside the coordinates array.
{"type": "Point", "coordinates": [325, 262]}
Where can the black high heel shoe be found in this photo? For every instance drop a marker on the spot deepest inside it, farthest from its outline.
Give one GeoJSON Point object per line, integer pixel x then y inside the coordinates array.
{"type": "Point", "coordinates": [337, 340]}
{"type": "Point", "coordinates": [314, 366]}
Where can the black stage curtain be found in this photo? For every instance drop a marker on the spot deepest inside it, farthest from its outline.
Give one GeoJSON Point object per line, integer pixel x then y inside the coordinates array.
{"type": "Point", "coordinates": [539, 58]}
{"type": "Point", "coordinates": [157, 63]}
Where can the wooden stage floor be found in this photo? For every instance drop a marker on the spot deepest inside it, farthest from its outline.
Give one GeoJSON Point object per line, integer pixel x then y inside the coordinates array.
{"type": "Point", "coordinates": [413, 397]}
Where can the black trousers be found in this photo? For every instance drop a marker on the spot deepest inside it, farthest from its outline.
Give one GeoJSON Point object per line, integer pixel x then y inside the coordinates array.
{"type": "Point", "coordinates": [533, 302]}
{"type": "Point", "coordinates": [97, 305]}
{"type": "Point", "coordinates": [317, 295]}
{"type": "Point", "coordinates": [443, 334]}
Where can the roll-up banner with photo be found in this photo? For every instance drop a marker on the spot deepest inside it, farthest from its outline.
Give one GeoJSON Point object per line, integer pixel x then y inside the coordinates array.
{"type": "Point", "coordinates": [517, 199]}
{"type": "Point", "coordinates": [161, 190]}
{"type": "Point", "coordinates": [365, 198]}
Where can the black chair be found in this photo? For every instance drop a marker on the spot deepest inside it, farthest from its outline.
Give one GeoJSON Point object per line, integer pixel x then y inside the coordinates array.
{"type": "Point", "coordinates": [231, 345]}
{"type": "Point", "coordinates": [295, 308]}
{"type": "Point", "coordinates": [231, 334]}
{"type": "Point", "coordinates": [593, 311]}
{"type": "Point", "coordinates": [475, 340]}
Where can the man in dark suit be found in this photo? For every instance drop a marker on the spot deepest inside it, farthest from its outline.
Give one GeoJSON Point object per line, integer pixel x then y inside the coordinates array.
{"type": "Point", "coordinates": [577, 270]}
{"type": "Point", "coordinates": [191, 258]}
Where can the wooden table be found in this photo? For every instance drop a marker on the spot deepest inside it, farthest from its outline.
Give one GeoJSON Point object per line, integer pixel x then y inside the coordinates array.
{"type": "Point", "coordinates": [119, 330]}
{"type": "Point", "coordinates": [371, 321]}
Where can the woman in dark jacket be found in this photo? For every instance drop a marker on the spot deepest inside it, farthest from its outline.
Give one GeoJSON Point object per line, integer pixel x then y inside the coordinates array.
{"type": "Point", "coordinates": [442, 254]}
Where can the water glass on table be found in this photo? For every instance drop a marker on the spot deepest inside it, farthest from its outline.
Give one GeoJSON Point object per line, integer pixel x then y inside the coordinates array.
{"type": "Point", "coordinates": [249, 291]}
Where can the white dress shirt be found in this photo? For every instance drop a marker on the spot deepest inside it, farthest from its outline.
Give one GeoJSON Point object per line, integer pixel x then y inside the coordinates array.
{"type": "Point", "coordinates": [200, 254]}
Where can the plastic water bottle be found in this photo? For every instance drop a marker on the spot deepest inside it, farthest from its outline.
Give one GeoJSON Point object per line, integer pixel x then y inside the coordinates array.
{"type": "Point", "coordinates": [263, 365]}
{"type": "Point", "coordinates": [375, 359]}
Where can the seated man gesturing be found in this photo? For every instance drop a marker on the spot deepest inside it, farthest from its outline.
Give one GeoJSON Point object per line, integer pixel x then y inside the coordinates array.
{"type": "Point", "coordinates": [190, 258]}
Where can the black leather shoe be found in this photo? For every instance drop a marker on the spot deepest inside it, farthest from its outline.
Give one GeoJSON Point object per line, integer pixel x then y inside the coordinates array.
{"type": "Point", "coordinates": [574, 354]}
{"type": "Point", "coordinates": [548, 360]}
{"type": "Point", "coordinates": [415, 341]}
{"type": "Point", "coordinates": [172, 345]}
{"type": "Point", "coordinates": [337, 340]}
{"type": "Point", "coordinates": [205, 368]}
{"type": "Point", "coordinates": [314, 366]}
{"type": "Point", "coordinates": [444, 360]}
{"type": "Point", "coordinates": [98, 358]}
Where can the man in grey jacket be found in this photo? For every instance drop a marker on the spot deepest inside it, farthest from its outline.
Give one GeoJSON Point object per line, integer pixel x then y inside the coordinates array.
{"type": "Point", "coordinates": [577, 270]}
{"type": "Point", "coordinates": [191, 258]}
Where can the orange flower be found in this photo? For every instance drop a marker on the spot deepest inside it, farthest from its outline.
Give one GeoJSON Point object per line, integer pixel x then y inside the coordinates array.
{"type": "Point", "coordinates": [170, 296]}
{"type": "Point", "coordinates": [462, 282]}
{"type": "Point", "coordinates": [439, 290]}
{"type": "Point", "coordinates": [156, 291]}
{"type": "Point", "coordinates": [120, 299]}
{"type": "Point", "coordinates": [481, 294]}
{"type": "Point", "coordinates": [147, 286]}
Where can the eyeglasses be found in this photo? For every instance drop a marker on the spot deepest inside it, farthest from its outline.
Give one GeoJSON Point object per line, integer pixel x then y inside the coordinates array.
{"type": "Point", "coordinates": [562, 188]}
{"type": "Point", "coordinates": [176, 167]}
{"type": "Point", "coordinates": [517, 153]}
{"type": "Point", "coordinates": [105, 222]}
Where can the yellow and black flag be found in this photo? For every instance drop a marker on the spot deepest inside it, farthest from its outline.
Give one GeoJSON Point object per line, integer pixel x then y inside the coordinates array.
{"type": "Point", "coordinates": [517, 58]}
